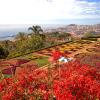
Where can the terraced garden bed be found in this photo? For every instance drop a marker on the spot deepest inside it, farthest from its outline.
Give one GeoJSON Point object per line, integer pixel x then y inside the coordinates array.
{"type": "Point", "coordinates": [97, 50]}
{"type": "Point", "coordinates": [89, 59]}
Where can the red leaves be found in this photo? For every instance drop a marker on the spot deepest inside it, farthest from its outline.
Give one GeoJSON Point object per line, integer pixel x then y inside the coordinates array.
{"type": "Point", "coordinates": [6, 97]}
{"type": "Point", "coordinates": [69, 82]}
{"type": "Point", "coordinates": [1, 87]}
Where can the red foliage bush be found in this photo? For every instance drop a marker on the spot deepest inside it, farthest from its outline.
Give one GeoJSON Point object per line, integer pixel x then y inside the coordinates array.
{"type": "Point", "coordinates": [70, 81]}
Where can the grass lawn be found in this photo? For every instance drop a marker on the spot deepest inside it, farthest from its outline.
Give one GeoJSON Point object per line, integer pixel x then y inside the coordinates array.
{"type": "Point", "coordinates": [42, 61]}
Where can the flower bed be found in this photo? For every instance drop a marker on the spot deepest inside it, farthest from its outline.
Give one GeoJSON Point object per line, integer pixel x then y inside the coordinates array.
{"type": "Point", "coordinates": [97, 45]}
{"type": "Point", "coordinates": [94, 50]}
{"type": "Point", "coordinates": [71, 47]}
{"type": "Point", "coordinates": [67, 52]}
{"type": "Point", "coordinates": [72, 81]}
{"type": "Point", "coordinates": [80, 55]}
{"type": "Point", "coordinates": [89, 58]}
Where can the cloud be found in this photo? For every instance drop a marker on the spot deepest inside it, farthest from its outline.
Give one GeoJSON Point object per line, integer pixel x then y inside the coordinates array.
{"type": "Point", "coordinates": [89, 9]}
{"type": "Point", "coordinates": [44, 11]}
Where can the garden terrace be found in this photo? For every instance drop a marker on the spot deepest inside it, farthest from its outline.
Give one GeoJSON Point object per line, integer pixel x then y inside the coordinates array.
{"type": "Point", "coordinates": [89, 58]}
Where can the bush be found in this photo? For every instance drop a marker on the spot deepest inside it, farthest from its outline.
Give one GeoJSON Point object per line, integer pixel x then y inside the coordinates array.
{"type": "Point", "coordinates": [92, 39]}
{"type": "Point", "coordinates": [3, 53]}
{"type": "Point", "coordinates": [72, 81]}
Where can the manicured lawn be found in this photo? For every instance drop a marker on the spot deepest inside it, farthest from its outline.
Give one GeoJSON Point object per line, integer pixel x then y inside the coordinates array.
{"type": "Point", "coordinates": [42, 61]}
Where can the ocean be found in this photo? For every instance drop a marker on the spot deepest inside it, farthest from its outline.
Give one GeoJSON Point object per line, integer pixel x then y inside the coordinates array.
{"type": "Point", "coordinates": [10, 34]}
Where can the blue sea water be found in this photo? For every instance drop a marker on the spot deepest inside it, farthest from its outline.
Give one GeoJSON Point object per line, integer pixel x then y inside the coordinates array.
{"type": "Point", "coordinates": [10, 34]}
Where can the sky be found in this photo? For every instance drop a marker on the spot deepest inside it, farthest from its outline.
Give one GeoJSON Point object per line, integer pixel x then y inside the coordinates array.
{"type": "Point", "coordinates": [49, 11]}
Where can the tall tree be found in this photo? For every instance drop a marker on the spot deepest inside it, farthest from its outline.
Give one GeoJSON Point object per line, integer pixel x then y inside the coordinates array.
{"type": "Point", "coordinates": [21, 36]}
{"type": "Point", "coordinates": [36, 29]}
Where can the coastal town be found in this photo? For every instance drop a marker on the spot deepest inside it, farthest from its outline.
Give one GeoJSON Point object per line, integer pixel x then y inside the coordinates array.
{"type": "Point", "coordinates": [77, 29]}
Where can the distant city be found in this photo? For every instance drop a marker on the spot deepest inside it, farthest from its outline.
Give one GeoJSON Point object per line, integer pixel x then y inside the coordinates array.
{"type": "Point", "coordinates": [77, 29]}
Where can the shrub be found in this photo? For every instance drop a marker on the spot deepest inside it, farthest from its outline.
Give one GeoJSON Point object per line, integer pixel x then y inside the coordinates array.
{"type": "Point", "coordinates": [72, 81]}
{"type": "Point", "coordinates": [3, 53]}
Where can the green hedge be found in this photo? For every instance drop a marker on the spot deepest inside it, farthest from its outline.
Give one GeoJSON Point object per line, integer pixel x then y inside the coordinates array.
{"type": "Point", "coordinates": [33, 51]}
{"type": "Point", "coordinates": [91, 39]}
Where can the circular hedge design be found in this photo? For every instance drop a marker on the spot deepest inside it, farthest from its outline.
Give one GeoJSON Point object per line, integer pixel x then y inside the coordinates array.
{"type": "Point", "coordinates": [80, 55]}
{"type": "Point", "coordinates": [93, 50]}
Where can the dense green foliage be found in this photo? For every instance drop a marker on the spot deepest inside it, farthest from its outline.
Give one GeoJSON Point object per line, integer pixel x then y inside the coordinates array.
{"type": "Point", "coordinates": [60, 35]}
{"type": "Point", "coordinates": [3, 53]}
{"type": "Point", "coordinates": [92, 39]}
{"type": "Point", "coordinates": [30, 44]}
{"type": "Point", "coordinates": [88, 34]}
{"type": "Point", "coordinates": [21, 36]}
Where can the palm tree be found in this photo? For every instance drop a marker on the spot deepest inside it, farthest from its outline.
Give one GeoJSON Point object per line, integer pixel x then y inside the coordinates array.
{"type": "Point", "coordinates": [36, 29]}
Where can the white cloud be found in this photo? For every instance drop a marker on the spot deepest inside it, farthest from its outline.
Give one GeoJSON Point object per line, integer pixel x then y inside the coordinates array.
{"type": "Point", "coordinates": [41, 11]}
{"type": "Point", "coordinates": [88, 9]}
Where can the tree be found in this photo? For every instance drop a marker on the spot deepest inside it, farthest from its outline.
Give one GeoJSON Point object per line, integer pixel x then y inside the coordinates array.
{"type": "Point", "coordinates": [3, 53]}
{"type": "Point", "coordinates": [36, 29]}
{"type": "Point", "coordinates": [43, 36]}
{"type": "Point", "coordinates": [37, 42]}
{"type": "Point", "coordinates": [33, 43]}
{"type": "Point", "coordinates": [21, 36]}
{"type": "Point", "coordinates": [88, 34]}
{"type": "Point", "coordinates": [55, 34]}
{"type": "Point", "coordinates": [68, 34]}
{"type": "Point", "coordinates": [64, 36]}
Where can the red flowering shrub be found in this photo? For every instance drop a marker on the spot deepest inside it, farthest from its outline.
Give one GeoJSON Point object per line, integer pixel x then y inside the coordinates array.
{"type": "Point", "coordinates": [70, 81]}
